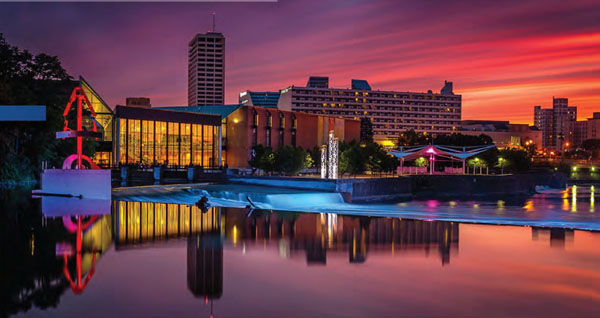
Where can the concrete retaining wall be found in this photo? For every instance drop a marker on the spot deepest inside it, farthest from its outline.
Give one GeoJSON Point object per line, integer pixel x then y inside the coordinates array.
{"type": "Point", "coordinates": [353, 190]}
{"type": "Point", "coordinates": [406, 187]}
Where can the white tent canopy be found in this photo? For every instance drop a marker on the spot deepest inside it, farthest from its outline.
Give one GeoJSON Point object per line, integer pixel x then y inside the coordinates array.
{"type": "Point", "coordinates": [452, 152]}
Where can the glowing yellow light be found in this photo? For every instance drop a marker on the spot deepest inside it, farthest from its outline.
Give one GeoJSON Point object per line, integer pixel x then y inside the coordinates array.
{"type": "Point", "coordinates": [234, 235]}
{"type": "Point", "coordinates": [574, 168]}
{"type": "Point", "coordinates": [235, 120]}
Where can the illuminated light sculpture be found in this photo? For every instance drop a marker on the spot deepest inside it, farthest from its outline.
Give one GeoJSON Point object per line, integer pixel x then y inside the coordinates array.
{"type": "Point", "coordinates": [334, 159]}
{"type": "Point", "coordinates": [332, 147]}
{"type": "Point", "coordinates": [78, 95]}
{"type": "Point", "coordinates": [329, 158]}
{"type": "Point", "coordinates": [324, 162]}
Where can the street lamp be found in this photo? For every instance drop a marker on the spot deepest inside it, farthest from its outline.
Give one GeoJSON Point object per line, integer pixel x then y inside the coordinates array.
{"type": "Point", "coordinates": [501, 161]}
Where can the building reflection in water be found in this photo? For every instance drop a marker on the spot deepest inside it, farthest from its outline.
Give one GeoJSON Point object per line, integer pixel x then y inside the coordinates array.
{"type": "Point", "coordinates": [558, 237]}
{"type": "Point", "coordinates": [288, 232]}
{"type": "Point", "coordinates": [205, 265]}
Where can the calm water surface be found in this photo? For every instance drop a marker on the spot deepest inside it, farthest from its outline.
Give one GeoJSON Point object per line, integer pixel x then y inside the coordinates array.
{"type": "Point", "coordinates": [171, 260]}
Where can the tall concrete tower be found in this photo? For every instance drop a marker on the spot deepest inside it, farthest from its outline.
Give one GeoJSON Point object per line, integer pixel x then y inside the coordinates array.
{"type": "Point", "coordinates": [206, 69]}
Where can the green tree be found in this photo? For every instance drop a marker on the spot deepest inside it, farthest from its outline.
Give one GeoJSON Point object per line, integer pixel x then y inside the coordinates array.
{"type": "Point", "coordinates": [352, 158]}
{"type": "Point", "coordinates": [290, 160]}
{"type": "Point", "coordinates": [412, 138]}
{"type": "Point", "coordinates": [262, 158]}
{"type": "Point", "coordinates": [421, 162]}
{"type": "Point", "coordinates": [515, 160]}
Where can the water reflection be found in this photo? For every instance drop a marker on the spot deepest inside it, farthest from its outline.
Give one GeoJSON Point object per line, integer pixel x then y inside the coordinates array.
{"type": "Point", "coordinates": [58, 256]}
{"type": "Point", "coordinates": [557, 237]}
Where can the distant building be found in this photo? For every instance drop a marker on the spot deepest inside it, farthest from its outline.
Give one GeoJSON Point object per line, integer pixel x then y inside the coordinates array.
{"type": "Point", "coordinates": [580, 132]}
{"type": "Point", "coordinates": [593, 127]}
{"type": "Point", "coordinates": [503, 133]}
{"type": "Point", "coordinates": [543, 121]}
{"type": "Point", "coordinates": [318, 82]}
{"type": "Point", "coordinates": [391, 112]}
{"type": "Point", "coordinates": [247, 126]}
{"type": "Point", "coordinates": [557, 124]}
{"type": "Point", "coordinates": [143, 102]}
{"type": "Point", "coordinates": [206, 69]}
{"type": "Point", "coordinates": [260, 99]}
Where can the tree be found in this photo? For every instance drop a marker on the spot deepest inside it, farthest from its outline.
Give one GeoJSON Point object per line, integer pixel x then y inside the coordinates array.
{"type": "Point", "coordinates": [315, 157]}
{"type": "Point", "coordinates": [366, 130]}
{"type": "Point", "coordinates": [514, 160]}
{"type": "Point", "coordinates": [289, 160]}
{"type": "Point", "coordinates": [357, 158]}
{"type": "Point", "coordinates": [412, 138]}
{"type": "Point", "coordinates": [27, 79]}
{"type": "Point", "coordinates": [262, 158]}
{"type": "Point", "coordinates": [351, 159]}
{"type": "Point", "coordinates": [421, 162]}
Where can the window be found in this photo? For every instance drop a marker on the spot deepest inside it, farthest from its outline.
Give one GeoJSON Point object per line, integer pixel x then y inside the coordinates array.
{"type": "Point", "coordinates": [123, 140]}
{"type": "Point", "coordinates": [207, 147]}
{"type": "Point", "coordinates": [160, 142]}
{"type": "Point", "coordinates": [186, 144]}
{"type": "Point", "coordinates": [281, 121]}
{"type": "Point", "coordinates": [268, 138]}
{"type": "Point", "coordinates": [134, 141]}
{"type": "Point", "coordinates": [173, 143]}
{"type": "Point", "coordinates": [269, 120]}
{"type": "Point", "coordinates": [196, 145]}
{"type": "Point", "coordinates": [254, 118]}
{"type": "Point", "coordinates": [147, 142]}
{"type": "Point", "coordinates": [281, 132]}
{"type": "Point", "coordinates": [294, 122]}
{"type": "Point", "coordinates": [294, 137]}
{"type": "Point", "coordinates": [254, 137]}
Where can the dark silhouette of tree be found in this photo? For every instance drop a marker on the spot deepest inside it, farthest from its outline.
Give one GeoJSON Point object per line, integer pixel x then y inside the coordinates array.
{"type": "Point", "coordinates": [27, 79]}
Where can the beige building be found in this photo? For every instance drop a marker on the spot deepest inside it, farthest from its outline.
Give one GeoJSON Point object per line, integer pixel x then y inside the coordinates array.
{"type": "Point", "coordinates": [504, 134]}
{"type": "Point", "coordinates": [391, 112]}
{"type": "Point", "coordinates": [206, 69]}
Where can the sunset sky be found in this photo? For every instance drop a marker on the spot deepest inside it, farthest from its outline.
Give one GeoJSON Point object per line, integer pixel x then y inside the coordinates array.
{"type": "Point", "coordinates": [504, 57]}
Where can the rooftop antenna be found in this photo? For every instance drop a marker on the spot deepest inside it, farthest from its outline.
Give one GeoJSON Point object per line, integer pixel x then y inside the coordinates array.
{"type": "Point", "coordinates": [214, 15]}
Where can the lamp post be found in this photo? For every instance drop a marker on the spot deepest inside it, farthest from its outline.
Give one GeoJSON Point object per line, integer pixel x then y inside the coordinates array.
{"type": "Point", "coordinates": [501, 161]}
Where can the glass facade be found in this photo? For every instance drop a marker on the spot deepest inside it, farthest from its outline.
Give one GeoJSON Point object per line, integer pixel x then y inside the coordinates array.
{"type": "Point", "coordinates": [150, 142]}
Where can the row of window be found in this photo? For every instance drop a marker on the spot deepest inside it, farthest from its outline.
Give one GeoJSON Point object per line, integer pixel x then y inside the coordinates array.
{"type": "Point", "coordinates": [320, 101]}
{"type": "Point", "coordinates": [376, 94]}
{"type": "Point", "coordinates": [176, 144]}
{"type": "Point", "coordinates": [211, 77]}
{"type": "Point", "coordinates": [433, 109]}
{"type": "Point", "coordinates": [281, 138]}
{"type": "Point", "coordinates": [383, 115]}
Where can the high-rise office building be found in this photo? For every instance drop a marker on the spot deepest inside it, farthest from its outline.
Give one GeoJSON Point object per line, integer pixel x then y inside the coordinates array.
{"type": "Point", "coordinates": [543, 121]}
{"type": "Point", "coordinates": [558, 124]}
{"type": "Point", "coordinates": [206, 69]}
{"type": "Point", "coordinates": [391, 112]}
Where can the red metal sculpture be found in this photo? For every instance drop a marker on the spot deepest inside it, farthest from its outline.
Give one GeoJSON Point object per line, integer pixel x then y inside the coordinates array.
{"type": "Point", "coordinates": [78, 95]}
